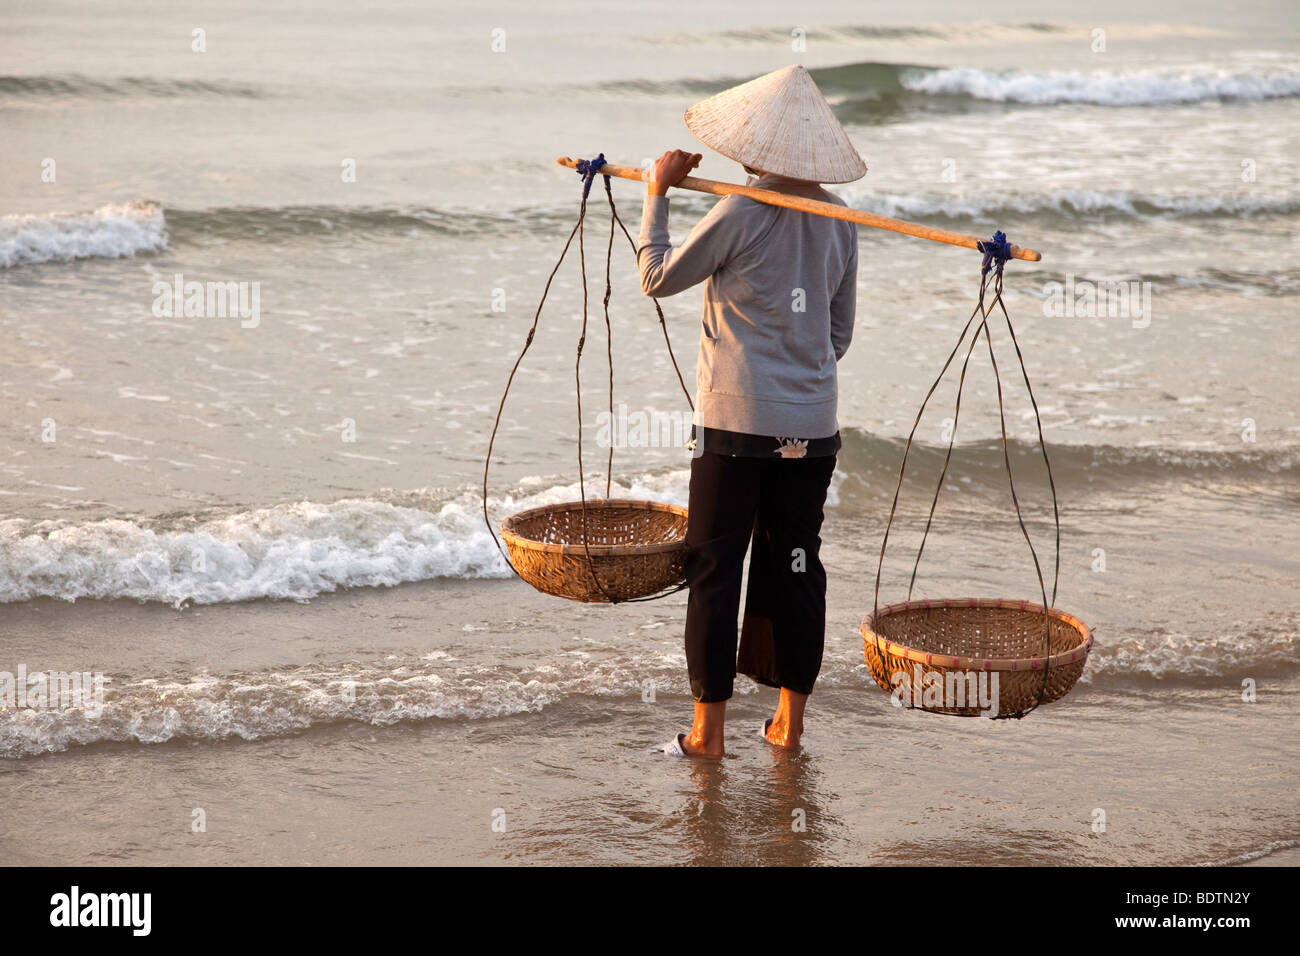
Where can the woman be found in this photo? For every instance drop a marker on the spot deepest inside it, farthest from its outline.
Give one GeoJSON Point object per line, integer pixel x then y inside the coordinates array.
{"type": "Point", "coordinates": [779, 301]}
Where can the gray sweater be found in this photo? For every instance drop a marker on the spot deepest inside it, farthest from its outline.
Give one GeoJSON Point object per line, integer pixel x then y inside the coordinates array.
{"type": "Point", "coordinates": [779, 297]}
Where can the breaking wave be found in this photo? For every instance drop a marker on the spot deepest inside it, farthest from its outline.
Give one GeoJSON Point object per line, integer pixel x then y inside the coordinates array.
{"type": "Point", "coordinates": [111, 231]}
{"type": "Point", "coordinates": [254, 705]}
{"type": "Point", "coordinates": [290, 551]}
{"type": "Point", "coordinates": [1135, 88]}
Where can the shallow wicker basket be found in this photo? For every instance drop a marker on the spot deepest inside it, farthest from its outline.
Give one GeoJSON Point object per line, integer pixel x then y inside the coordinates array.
{"type": "Point", "coordinates": [637, 548]}
{"type": "Point", "coordinates": [972, 635]}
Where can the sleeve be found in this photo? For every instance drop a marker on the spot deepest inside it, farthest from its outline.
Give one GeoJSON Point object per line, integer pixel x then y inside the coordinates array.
{"type": "Point", "coordinates": [666, 271]}
{"type": "Point", "coordinates": [844, 302]}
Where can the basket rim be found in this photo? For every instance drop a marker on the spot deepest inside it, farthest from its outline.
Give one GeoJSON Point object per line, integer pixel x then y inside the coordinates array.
{"type": "Point", "coordinates": [515, 539]}
{"type": "Point", "coordinates": [1073, 655]}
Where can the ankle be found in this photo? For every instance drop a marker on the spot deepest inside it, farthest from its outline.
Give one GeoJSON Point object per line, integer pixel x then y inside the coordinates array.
{"type": "Point", "coordinates": [701, 746]}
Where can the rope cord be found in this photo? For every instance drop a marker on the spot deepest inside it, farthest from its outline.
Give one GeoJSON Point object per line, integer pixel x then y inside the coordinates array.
{"type": "Point", "coordinates": [588, 170]}
{"type": "Point", "coordinates": [609, 339]}
{"type": "Point", "coordinates": [487, 459]}
{"type": "Point", "coordinates": [996, 252]}
{"type": "Point", "coordinates": [577, 379]}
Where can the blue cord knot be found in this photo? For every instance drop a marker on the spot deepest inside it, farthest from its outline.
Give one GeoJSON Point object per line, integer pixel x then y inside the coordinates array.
{"type": "Point", "coordinates": [996, 250]}
{"type": "Point", "coordinates": [587, 169]}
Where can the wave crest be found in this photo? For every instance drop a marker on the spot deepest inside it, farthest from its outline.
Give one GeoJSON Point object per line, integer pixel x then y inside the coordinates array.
{"type": "Point", "coordinates": [111, 231]}
{"type": "Point", "coordinates": [1136, 88]}
{"type": "Point", "coordinates": [290, 551]}
{"type": "Point", "coordinates": [1070, 204]}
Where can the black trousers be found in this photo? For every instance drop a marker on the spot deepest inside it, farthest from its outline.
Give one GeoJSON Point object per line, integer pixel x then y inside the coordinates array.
{"type": "Point", "coordinates": [777, 505]}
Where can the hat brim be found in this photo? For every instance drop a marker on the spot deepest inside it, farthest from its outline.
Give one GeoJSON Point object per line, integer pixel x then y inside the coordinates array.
{"type": "Point", "coordinates": [779, 123]}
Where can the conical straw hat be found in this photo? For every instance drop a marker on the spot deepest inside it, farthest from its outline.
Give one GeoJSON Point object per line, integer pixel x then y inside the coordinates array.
{"type": "Point", "coordinates": [779, 123]}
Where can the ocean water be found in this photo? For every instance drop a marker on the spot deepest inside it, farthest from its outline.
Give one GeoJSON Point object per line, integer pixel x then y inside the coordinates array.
{"type": "Point", "coordinates": [264, 528]}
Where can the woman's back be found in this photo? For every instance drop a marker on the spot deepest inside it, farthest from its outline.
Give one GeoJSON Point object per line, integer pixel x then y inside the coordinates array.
{"type": "Point", "coordinates": [778, 307]}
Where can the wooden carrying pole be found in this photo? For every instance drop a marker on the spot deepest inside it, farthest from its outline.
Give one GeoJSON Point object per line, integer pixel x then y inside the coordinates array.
{"type": "Point", "coordinates": [810, 205]}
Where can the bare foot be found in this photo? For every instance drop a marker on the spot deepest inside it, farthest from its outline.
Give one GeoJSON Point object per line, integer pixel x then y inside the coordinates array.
{"type": "Point", "coordinates": [786, 726]}
{"type": "Point", "coordinates": [781, 734]}
{"type": "Point", "coordinates": [705, 737]}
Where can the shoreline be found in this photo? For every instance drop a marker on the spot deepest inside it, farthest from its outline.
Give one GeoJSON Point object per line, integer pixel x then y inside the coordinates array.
{"type": "Point", "coordinates": [570, 765]}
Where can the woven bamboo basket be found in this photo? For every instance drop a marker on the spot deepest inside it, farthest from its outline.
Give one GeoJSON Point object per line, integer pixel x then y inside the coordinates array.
{"type": "Point", "coordinates": [967, 636]}
{"type": "Point", "coordinates": [637, 548]}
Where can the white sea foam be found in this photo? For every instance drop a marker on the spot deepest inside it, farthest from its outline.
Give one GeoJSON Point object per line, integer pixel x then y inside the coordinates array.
{"type": "Point", "coordinates": [1135, 88]}
{"type": "Point", "coordinates": [117, 229]}
{"type": "Point", "coordinates": [440, 685]}
{"type": "Point", "coordinates": [257, 705]}
{"type": "Point", "coordinates": [1277, 846]}
{"type": "Point", "coordinates": [1179, 657]}
{"type": "Point", "coordinates": [293, 551]}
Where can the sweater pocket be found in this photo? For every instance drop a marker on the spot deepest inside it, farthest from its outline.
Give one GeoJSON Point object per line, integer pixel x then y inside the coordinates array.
{"type": "Point", "coordinates": [707, 356]}
{"type": "Point", "coordinates": [727, 369]}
